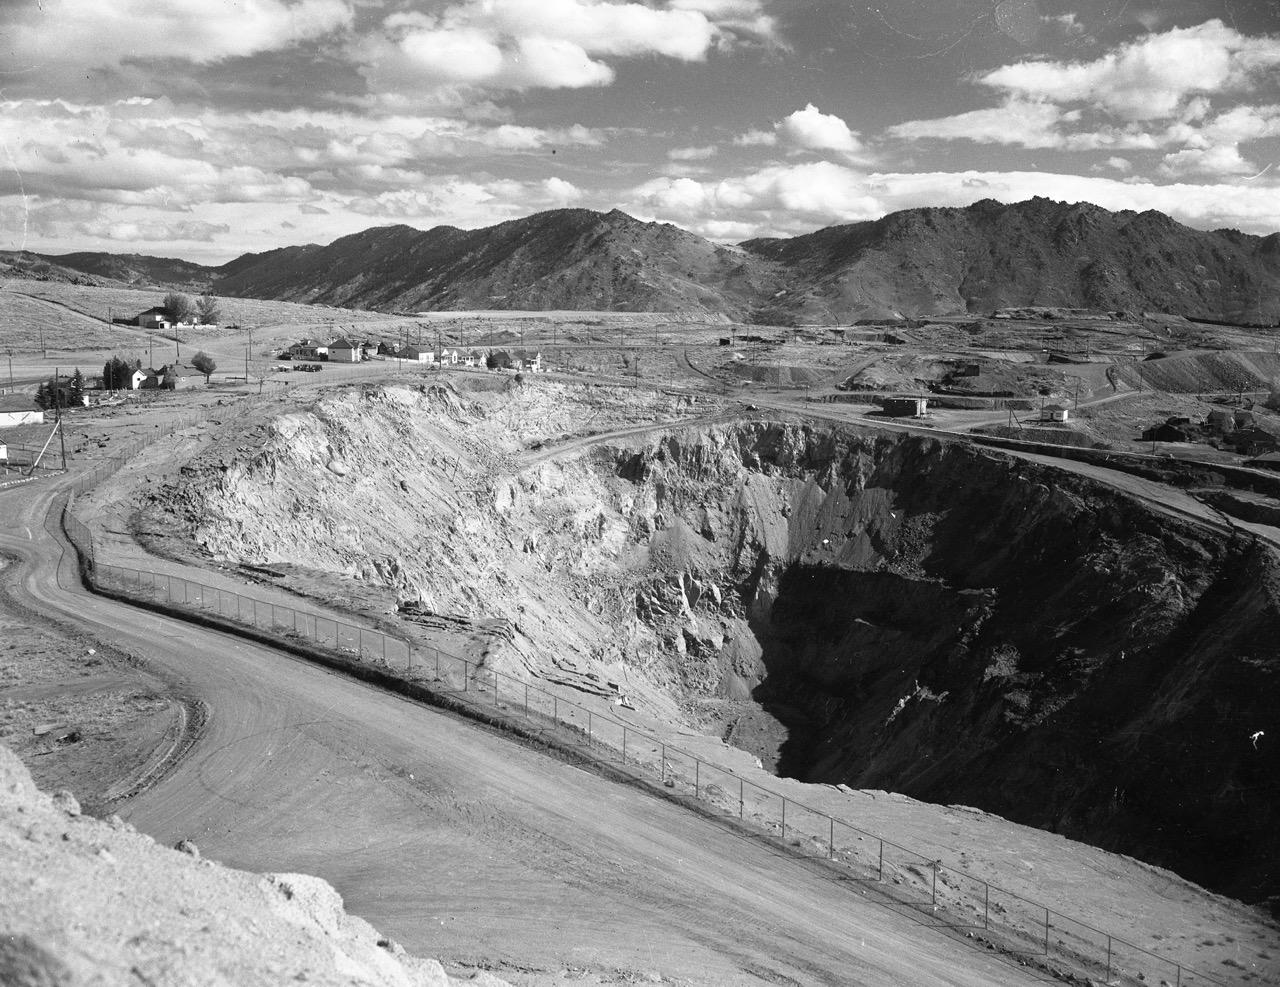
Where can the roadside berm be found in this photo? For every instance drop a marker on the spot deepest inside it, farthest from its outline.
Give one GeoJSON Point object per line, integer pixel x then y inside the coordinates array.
{"type": "Point", "coordinates": [83, 901]}
{"type": "Point", "coordinates": [877, 610]}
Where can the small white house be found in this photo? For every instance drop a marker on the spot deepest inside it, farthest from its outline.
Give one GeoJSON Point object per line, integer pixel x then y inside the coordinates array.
{"type": "Point", "coordinates": [136, 378]}
{"type": "Point", "coordinates": [344, 351]}
{"type": "Point", "coordinates": [1054, 413]}
{"type": "Point", "coordinates": [449, 357]}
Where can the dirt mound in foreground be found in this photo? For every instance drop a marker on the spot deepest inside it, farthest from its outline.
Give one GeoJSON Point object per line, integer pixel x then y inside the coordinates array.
{"type": "Point", "coordinates": [84, 901]}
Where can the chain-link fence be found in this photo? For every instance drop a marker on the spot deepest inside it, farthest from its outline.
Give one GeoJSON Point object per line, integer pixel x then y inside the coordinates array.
{"type": "Point", "coordinates": [906, 878]}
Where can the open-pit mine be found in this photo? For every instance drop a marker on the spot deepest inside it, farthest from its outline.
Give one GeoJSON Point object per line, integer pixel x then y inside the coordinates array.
{"type": "Point", "coordinates": [879, 610]}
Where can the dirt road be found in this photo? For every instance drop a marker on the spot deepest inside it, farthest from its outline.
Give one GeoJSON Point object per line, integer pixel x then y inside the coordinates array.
{"type": "Point", "coordinates": [462, 845]}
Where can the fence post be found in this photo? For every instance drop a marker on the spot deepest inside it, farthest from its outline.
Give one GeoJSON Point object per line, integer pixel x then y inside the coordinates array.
{"type": "Point", "coordinates": [697, 778]}
{"type": "Point", "coordinates": [934, 892]}
{"type": "Point", "coordinates": [831, 842]}
{"type": "Point", "coordinates": [359, 634]}
{"type": "Point", "coordinates": [742, 800]}
{"type": "Point", "coordinates": [555, 709]}
{"type": "Point", "coordinates": [1046, 932]}
{"type": "Point", "coordinates": [624, 743]}
{"type": "Point", "coordinates": [408, 652]}
{"type": "Point", "coordinates": [526, 700]}
{"type": "Point", "coordinates": [663, 764]}
{"type": "Point", "coordinates": [466, 673]}
{"type": "Point", "coordinates": [880, 877]}
{"type": "Point", "coordinates": [784, 818]}
{"type": "Point", "coordinates": [986, 920]}
{"type": "Point", "coordinates": [437, 651]}
{"type": "Point", "coordinates": [495, 690]}
{"type": "Point", "coordinates": [588, 728]}
{"type": "Point", "coordinates": [169, 591]}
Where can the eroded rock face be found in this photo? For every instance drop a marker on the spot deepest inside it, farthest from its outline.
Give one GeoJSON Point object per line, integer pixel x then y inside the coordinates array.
{"type": "Point", "coordinates": [876, 610]}
{"type": "Point", "coordinates": [940, 621]}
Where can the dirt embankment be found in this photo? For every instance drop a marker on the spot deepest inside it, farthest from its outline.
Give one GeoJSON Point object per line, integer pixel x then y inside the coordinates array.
{"type": "Point", "coordinates": [888, 612]}
{"type": "Point", "coordinates": [90, 902]}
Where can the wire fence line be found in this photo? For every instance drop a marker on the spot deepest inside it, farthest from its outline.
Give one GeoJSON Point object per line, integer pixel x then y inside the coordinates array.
{"type": "Point", "coordinates": [940, 894]}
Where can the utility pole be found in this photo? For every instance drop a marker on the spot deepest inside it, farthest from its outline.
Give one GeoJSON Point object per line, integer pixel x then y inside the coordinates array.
{"type": "Point", "coordinates": [151, 352]}
{"type": "Point", "coordinates": [57, 405]}
{"type": "Point", "coordinates": [11, 371]}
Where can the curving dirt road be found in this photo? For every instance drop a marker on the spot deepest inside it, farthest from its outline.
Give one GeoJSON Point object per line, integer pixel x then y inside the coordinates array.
{"type": "Point", "coordinates": [463, 845]}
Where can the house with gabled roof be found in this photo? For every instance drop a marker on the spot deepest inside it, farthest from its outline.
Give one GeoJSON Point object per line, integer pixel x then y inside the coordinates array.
{"type": "Point", "coordinates": [343, 350]}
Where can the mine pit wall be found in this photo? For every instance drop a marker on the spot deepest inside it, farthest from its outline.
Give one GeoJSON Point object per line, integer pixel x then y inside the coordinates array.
{"type": "Point", "coordinates": [935, 619]}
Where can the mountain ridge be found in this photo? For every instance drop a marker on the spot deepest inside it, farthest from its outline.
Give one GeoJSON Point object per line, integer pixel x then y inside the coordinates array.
{"type": "Point", "coordinates": [916, 263]}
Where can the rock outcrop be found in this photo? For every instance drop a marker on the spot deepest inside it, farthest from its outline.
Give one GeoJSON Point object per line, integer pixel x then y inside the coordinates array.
{"type": "Point", "coordinates": [84, 901]}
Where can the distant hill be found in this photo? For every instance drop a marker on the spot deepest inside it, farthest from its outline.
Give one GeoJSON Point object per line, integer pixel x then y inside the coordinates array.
{"type": "Point", "coordinates": [138, 269]}
{"type": "Point", "coordinates": [1039, 252]}
{"type": "Point", "coordinates": [563, 259]}
{"type": "Point", "coordinates": [917, 262]}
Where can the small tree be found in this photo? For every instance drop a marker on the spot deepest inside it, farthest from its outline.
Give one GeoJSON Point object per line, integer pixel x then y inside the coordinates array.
{"type": "Point", "coordinates": [208, 310]}
{"type": "Point", "coordinates": [75, 390]}
{"type": "Point", "coordinates": [42, 396]}
{"type": "Point", "coordinates": [179, 307]}
{"type": "Point", "coordinates": [203, 362]}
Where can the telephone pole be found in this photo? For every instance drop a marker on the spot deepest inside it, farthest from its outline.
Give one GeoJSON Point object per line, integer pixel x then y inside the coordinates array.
{"type": "Point", "coordinates": [57, 414]}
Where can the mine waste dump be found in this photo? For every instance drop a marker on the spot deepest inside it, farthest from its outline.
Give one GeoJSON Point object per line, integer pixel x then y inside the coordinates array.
{"type": "Point", "coordinates": [878, 610]}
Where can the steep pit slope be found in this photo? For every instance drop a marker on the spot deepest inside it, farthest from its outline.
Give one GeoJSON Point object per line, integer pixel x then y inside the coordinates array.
{"type": "Point", "coordinates": [413, 495]}
{"type": "Point", "coordinates": [90, 902]}
{"type": "Point", "coordinates": [883, 611]}
{"type": "Point", "coordinates": [936, 620]}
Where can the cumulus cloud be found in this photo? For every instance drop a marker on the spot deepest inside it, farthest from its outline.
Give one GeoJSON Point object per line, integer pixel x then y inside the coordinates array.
{"type": "Point", "coordinates": [560, 192]}
{"type": "Point", "coordinates": [1221, 160]}
{"type": "Point", "coordinates": [1019, 122]}
{"type": "Point", "coordinates": [1159, 93]}
{"type": "Point", "coordinates": [1151, 78]}
{"type": "Point", "coordinates": [58, 33]}
{"type": "Point", "coordinates": [788, 199]}
{"type": "Point", "coordinates": [465, 201]}
{"type": "Point", "coordinates": [554, 44]}
{"type": "Point", "coordinates": [756, 138]}
{"type": "Point", "coordinates": [149, 151]}
{"type": "Point", "coordinates": [741, 18]}
{"type": "Point", "coordinates": [814, 130]}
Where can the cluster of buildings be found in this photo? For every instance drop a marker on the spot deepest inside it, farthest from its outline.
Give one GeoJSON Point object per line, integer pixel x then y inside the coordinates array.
{"type": "Point", "coordinates": [1237, 429]}
{"type": "Point", "coordinates": [344, 350]}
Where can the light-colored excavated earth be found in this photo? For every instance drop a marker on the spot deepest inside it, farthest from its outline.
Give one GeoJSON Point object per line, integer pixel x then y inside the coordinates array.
{"type": "Point", "coordinates": [86, 902]}
{"type": "Point", "coordinates": [882, 611]}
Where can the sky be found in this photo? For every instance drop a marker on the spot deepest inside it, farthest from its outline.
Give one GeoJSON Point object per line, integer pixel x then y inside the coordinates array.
{"type": "Point", "coordinates": [204, 129]}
